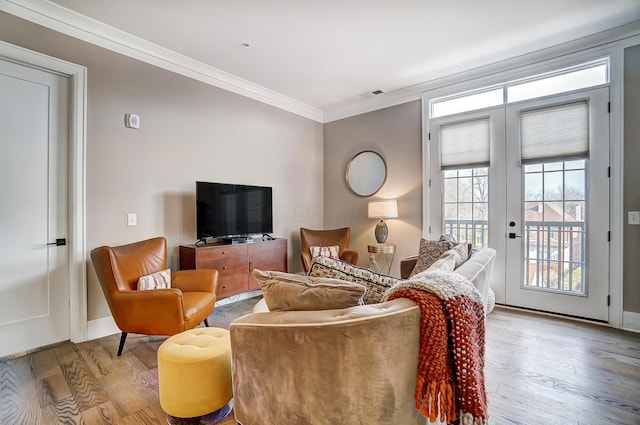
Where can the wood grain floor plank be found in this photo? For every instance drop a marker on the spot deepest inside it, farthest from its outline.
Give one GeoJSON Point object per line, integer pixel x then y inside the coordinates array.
{"type": "Point", "coordinates": [84, 387]}
{"type": "Point", "coordinates": [98, 360]}
{"type": "Point", "coordinates": [64, 412]}
{"type": "Point", "coordinates": [104, 414]}
{"type": "Point", "coordinates": [53, 389]}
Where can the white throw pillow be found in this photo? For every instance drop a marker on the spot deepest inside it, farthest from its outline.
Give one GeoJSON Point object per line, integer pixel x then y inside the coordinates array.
{"type": "Point", "coordinates": [157, 280]}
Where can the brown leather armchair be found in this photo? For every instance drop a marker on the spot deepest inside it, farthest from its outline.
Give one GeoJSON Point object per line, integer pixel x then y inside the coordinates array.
{"type": "Point", "coordinates": [339, 237]}
{"type": "Point", "coordinates": [186, 304]}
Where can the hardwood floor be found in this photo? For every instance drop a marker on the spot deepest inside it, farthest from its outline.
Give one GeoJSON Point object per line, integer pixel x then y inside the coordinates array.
{"type": "Point", "coordinates": [539, 370]}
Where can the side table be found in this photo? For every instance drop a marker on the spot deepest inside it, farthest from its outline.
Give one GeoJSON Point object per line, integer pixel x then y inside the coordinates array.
{"type": "Point", "coordinates": [381, 257]}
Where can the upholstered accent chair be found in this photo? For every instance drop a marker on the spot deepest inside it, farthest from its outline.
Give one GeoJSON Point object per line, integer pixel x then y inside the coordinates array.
{"type": "Point", "coordinates": [167, 311]}
{"type": "Point", "coordinates": [325, 238]}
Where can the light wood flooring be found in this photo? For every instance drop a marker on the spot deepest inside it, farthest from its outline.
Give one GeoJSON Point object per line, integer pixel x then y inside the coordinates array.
{"type": "Point", "coordinates": [539, 370]}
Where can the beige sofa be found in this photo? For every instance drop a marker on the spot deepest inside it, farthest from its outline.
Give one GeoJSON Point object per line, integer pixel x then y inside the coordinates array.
{"type": "Point", "coordinates": [349, 366]}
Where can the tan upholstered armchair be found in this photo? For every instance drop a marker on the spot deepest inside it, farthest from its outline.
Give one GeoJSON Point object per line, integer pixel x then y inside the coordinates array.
{"type": "Point", "coordinates": [339, 237]}
{"type": "Point", "coordinates": [184, 305]}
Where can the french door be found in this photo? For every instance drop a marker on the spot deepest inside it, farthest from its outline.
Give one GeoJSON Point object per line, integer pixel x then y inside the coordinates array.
{"type": "Point", "coordinates": [547, 199]}
{"type": "Point", "coordinates": [557, 204]}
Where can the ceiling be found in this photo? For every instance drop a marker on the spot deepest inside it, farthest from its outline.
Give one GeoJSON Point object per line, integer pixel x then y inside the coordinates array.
{"type": "Point", "coordinates": [332, 53]}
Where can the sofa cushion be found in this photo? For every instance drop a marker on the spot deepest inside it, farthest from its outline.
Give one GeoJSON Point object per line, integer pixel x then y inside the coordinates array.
{"type": "Point", "coordinates": [447, 262]}
{"type": "Point", "coordinates": [430, 252]}
{"type": "Point", "coordinates": [285, 291]}
{"type": "Point", "coordinates": [375, 283]}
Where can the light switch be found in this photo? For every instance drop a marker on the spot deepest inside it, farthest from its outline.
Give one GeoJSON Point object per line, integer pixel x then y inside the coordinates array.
{"type": "Point", "coordinates": [132, 219]}
{"type": "Point", "coordinates": [634, 217]}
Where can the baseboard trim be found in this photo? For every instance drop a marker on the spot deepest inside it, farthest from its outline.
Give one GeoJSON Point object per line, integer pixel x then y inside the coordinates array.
{"type": "Point", "coordinates": [239, 297]}
{"type": "Point", "coordinates": [631, 321]}
{"type": "Point", "coordinates": [99, 328]}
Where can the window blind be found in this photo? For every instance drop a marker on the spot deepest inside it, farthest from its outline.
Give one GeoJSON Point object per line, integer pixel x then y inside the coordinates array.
{"type": "Point", "coordinates": [464, 144]}
{"type": "Point", "coordinates": [555, 132]}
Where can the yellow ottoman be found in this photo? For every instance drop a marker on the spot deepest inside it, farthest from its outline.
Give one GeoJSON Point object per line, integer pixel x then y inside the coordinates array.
{"type": "Point", "coordinates": [194, 373]}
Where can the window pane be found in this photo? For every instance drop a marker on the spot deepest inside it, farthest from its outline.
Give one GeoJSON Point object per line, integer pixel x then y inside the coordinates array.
{"type": "Point", "coordinates": [464, 189]}
{"type": "Point", "coordinates": [450, 211]}
{"type": "Point", "coordinates": [480, 212]}
{"type": "Point", "coordinates": [574, 165]}
{"type": "Point", "coordinates": [553, 186]}
{"type": "Point", "coordinates": [481, 189]}
{"type": "Point", "coordinates": [533, 186]}
{"type": "Point", "coordinates": [466, 172]}
{"type": "Point", "coordinates": [530, 168]}
{"type": "Point", "coordinates": [465, 211]}
{"type": "Point", "coordinates": [440, 108]}
{"type": "Point", "coordinates": [450, 173]}
{"type": "Point", "coordinates": [450, 190]}
{"type": "Point", "coordinates": [553, 166]}
{"type": "Point", "coordinates": [481, 171]}
{"type": "Point", "coordinates": [574, 184]}
{"type": "Point", "coordinates": [562, 83]}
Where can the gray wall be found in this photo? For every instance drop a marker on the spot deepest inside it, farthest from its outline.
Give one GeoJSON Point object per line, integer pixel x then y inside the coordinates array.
{"type": "Point", "coordinates": [631, 269]}
{"type": "Point", "coordinates": [189, 131]}
{"type": "Point", "coordinates": [395, 133]}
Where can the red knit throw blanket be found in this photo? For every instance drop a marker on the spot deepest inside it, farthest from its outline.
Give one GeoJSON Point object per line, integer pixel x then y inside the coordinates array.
{"type": "Point", "coordinates": [451, 360]}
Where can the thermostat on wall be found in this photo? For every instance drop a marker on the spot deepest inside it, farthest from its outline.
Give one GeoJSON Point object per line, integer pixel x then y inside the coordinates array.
{"type": "Point", "coordinates": [131, 121]}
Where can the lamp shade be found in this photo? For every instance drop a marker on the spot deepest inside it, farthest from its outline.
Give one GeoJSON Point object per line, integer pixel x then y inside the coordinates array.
{"type": "Point", "coordinates": [383, 209]}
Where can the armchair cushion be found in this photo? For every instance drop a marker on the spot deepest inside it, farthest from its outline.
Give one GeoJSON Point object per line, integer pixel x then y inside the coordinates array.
{"type": "Point", "coordinates": [375, 283]}
{"type": "Point", "coordinates": [157, 280]}
{"type": "Point", "coordinates": [325, 251]}
{"type": "Point", "coordinates": [284, 291]}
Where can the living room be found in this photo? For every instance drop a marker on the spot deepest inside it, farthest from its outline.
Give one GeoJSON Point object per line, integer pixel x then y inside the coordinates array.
{"type": "Point", "coordinates": [191, 130]}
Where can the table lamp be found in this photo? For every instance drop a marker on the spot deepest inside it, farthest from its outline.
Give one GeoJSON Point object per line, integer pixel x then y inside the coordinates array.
{"type": "Point", "coordinates": [382, 210]}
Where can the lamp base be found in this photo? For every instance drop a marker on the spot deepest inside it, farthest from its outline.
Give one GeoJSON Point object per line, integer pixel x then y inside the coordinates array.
{"type": "Point", "coordinates": [382, 231]}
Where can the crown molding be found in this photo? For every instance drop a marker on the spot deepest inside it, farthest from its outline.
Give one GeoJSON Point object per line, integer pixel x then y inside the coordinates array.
{"type": "Point", "coordinates": [63, 20]}
{"type": "Point", "coordinates": [465, 72]}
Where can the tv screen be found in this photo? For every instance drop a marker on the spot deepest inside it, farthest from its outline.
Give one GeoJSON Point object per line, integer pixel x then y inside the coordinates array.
{"type": "Point", "coordinates": [228, 210]}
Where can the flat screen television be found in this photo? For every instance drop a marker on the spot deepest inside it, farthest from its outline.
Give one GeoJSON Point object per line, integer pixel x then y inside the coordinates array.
{"type": "Point", "coordinates": [232, 211]}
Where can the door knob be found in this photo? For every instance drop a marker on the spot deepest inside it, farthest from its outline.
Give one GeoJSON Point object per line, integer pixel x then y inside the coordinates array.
{"type": "Point", "coordinates": [513, 236]}
{"type": "Point", "coordinates": [58, 242]}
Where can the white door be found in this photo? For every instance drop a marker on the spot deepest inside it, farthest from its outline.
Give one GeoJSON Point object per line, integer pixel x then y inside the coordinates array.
{"type": "Point", "coordinates": [34, 274]}
{"type": "Point", "coordinates": [557, 216]}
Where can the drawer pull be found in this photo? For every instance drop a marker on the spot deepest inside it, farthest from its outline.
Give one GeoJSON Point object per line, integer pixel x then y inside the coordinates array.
{"type": "Point", "coordinates": [225, 267]}
{"type": "Point", "coordinates": [224, 252]}
{"type": "Point", "coordinates": [224, 286]}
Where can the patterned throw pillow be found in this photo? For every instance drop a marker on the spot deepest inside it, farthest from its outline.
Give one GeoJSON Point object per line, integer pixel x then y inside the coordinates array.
{"type": "Point", "coordinates": [285, 291]}
{"type": "Point", "coordinates": [430, 252]}
{"type": "Point", "coordinates": [375, 283]}
{"type": "Point", "coordinates": [157, 280]}
{"type": "Point", "coordinates": [325, 251]}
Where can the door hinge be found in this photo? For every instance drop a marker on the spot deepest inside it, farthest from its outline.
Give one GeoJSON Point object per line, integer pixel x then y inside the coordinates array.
{"type": "Point", "coordinates": [429, 136]}
{"type": "Point", "coordinates": [608, 299]}
{"type": "Point", "coordinates": [608, 171]}
{"type": "Point", "coordinates": [609, 236]}
{"type": "Point", "coordinates": [429, 182]}
{"type": "Point", "coordinates": [609, 107]}
{"type": "Point", "coordinates": [429, 229]}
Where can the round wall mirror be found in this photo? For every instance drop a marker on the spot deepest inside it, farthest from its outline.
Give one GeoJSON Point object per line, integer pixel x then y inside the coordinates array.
{"type": "Point", "coordinates": [366, 173]}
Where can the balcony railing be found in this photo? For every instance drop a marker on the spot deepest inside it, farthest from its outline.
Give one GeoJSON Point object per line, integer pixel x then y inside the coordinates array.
{"type": "Point", "coordinates": [554, 252]}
